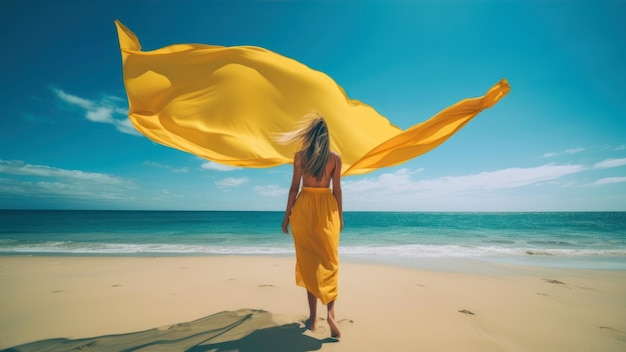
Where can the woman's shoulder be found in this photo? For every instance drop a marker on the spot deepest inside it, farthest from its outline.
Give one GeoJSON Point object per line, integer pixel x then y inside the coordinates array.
{"type": "Point", "coordinates": [334, 161]}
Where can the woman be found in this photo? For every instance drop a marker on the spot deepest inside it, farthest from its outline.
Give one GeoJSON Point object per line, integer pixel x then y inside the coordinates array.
{"type": "Point", "coordinates": [316, 217]}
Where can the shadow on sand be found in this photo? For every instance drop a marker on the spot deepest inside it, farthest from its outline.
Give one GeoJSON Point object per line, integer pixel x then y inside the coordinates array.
{"type": "Point", "coordinates": [243, 330]}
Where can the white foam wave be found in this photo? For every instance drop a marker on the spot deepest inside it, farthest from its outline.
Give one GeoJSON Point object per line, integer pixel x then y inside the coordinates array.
{"type": "Point", "coordinates": [405, 251]}
{"type": "Point", "coordinates": [124, 248]}
{"type": "Point", "coordinates": [434, 251]}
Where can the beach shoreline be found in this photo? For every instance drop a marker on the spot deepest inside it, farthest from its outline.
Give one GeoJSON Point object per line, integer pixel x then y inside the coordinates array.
{"type": "Point", "coordinates": [64, 301]}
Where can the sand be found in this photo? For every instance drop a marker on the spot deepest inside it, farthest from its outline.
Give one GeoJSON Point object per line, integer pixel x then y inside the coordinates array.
{"type": "Point", "coordinates": [250, 303]}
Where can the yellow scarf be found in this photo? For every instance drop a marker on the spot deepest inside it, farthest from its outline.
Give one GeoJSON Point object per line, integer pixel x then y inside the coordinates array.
{"type": "Point", "coordinates": [225, 104]}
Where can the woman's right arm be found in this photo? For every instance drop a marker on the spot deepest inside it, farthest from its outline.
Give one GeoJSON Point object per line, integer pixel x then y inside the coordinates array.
{"type": "Point", "coordinates": [337, 187]}
{"type": "Point", "coordinates": [293, 191]}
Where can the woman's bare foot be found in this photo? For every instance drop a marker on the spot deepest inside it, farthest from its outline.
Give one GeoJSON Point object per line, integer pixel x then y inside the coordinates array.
{"type": "Point", "coordinates": [310, 324]}
{"type": "Point", "coordinates": [334, 329]}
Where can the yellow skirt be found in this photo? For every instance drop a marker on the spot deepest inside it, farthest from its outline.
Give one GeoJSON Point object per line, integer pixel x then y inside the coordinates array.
{"type": "Point", "coordinates": [315, 225]}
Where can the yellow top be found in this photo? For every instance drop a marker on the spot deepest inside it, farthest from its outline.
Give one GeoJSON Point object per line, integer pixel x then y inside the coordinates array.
{"type": "Point", "coordinates": [226, 104]}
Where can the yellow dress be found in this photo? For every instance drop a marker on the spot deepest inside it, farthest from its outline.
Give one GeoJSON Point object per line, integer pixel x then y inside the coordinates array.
{"type": "Point", "coordinates": [225, 103]}
{"type": "Point", "coordinates": [315, 226]}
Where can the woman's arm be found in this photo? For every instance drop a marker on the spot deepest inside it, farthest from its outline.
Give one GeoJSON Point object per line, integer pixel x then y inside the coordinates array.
{"type": "Point", "coordinates": [337, 187]}
{"type": "Point", "coordinates": [293, 191]}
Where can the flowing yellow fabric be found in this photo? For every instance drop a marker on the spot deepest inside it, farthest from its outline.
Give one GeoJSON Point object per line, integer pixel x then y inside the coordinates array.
{"type": "Point", "coordinates": [226, 103]}
{"type": "Point", "coordinates": [315, 226]}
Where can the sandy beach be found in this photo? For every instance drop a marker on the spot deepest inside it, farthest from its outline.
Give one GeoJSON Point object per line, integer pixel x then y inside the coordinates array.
{"type": "Point", "coordinates": [250, 303]}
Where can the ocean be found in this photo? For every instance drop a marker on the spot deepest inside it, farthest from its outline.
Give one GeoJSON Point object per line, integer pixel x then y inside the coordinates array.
{"type": "Point", "coordinates": [568, 239]}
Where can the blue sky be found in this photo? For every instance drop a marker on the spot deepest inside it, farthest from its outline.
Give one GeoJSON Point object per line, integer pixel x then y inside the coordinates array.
{"type": "Point", "coordinates": [557, 142]}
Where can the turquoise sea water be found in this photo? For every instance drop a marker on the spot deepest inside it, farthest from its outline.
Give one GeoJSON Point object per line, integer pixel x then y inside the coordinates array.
{"type": "Point", "coordinates": [594, 239]}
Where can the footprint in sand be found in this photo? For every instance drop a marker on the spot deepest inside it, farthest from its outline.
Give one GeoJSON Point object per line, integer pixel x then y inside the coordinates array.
{"type": "Point", "coordinates": [266, 285]}
{"type": "Point", "coordinates": [345, 322]}
{"type": "Point", "coordinates": [557, 282]}
{"type": "Point", "coordinates": [116, 285]}
{"type": "Point", "coordinates": [57, 291]}
{"type": "Point", "coordinates": [618, 334]}
{"type": "Point", "coordinates": [84, 347]}
{"type": "Point", "coordinates": [465, 311]}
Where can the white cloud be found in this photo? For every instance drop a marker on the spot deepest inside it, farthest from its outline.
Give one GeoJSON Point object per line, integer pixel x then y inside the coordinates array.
{"type": "Point", "coordinates": [574, 151]}
{"type": "Point", "coordinates": [499, 190]}
{"type": "Point", "coordinates": [155, 164]}
{"type": "Point", "coordinates": [401, 182]}
{"type": "Point", "coordinates": [567, 151]}
{"type": "Point", "coordinates": [210, 165]}
{"type": "Point", "coordinates": [125, 126]}
{"type": "Point", "coordinates": [232, 182]}
{"type": "Point", "coordinates": [41, 186]}
{"type": "Point", "coordinates": [72, 99]}
{"type": "Point", "coordinates": [271, 190]}
{"type": "Point", "coordinates": [102, 111]}
{"type": "Point", "coordinates": [100, 114]}
{"type": "Point", "coordinates": [64, 189]}
{"type": "Point", "coordinates": [18, 167]}
{"type": "Point", "coordinates": [609, 180]}
{"type": "Point", "coordinates": [47, 181]}
{"type": "Point", "coordinates": [167, 167]}
{"type": "Point", "coordinates": [609, 163]}
{"type": "Point", "coordinates": [621, 147]}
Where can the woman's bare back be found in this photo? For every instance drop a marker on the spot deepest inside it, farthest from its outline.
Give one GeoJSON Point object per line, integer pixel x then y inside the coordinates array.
{"type": "Point", "coordinates": [309, 180]}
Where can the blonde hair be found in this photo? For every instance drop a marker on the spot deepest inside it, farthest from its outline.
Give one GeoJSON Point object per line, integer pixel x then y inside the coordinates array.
{"type": "Point", "coordinates": [315, 143]}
